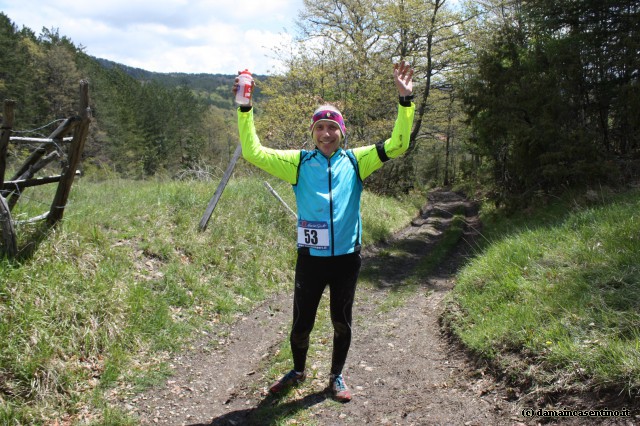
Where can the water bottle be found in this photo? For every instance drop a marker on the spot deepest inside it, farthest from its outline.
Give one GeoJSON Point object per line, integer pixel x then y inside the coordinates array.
{"type": "Point", "coordinates": [243, 94]}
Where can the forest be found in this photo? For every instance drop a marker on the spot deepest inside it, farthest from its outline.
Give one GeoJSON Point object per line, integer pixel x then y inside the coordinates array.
{"type": "Point", "coordinates": [519, 100]}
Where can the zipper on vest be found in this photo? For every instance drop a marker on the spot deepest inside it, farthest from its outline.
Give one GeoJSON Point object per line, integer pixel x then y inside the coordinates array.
{"type": "Point", "coordinates": [332, 243]}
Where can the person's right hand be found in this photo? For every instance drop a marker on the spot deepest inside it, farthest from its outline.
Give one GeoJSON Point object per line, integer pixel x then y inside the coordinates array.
{"type": "Point", "coordinates": [403, 77]}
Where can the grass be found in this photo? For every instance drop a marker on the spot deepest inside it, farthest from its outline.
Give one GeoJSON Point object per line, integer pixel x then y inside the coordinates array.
{"type": "Point", "coordinates": [561, 292]}
{"type": "Point", "coordinates": [382, 217]}
{"type": "Point", "coordinates": [96, 306]}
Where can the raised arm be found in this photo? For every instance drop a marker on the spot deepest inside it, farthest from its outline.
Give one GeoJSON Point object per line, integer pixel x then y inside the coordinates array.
{"type": "Point", "coordinates": [403, 77]}
{"type": "Point", "coordinates": [282, 164]}
{"type": "Point", "coordinates": [370, 158]}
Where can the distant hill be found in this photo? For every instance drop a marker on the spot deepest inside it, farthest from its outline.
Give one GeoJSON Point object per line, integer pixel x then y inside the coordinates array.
{"type": "Point", "coordinates": [201, 82]}
{"type": "Point", "coordinates": [194, 81]}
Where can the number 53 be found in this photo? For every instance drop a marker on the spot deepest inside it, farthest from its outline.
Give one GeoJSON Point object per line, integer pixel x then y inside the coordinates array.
{"type": "Point", "coordinates": [310, 236]}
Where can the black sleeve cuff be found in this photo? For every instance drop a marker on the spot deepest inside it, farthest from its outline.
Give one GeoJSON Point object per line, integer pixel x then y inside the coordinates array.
{"type": "Point", "coordinates": [245, 108]}
{"type": "Point", "coordinates": [381, 153]}
{"type": "Point", "coordinates": [405, 101]}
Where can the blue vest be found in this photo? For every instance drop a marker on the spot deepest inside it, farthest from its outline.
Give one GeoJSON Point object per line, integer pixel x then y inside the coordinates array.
{"type": "Point", "coordinates": [328, 198]}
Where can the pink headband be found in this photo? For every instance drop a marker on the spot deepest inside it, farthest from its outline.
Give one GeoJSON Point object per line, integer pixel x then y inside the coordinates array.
{"type": "Point", "coordinates": [329, 115]}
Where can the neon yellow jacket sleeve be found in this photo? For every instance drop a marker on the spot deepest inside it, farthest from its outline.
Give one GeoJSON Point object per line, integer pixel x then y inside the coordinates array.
{"type": "Point", "coordinates": [283, 164]}
{"type": "Point", "coordinates": [396, 145]}
{"type": "Point", "coordinates": [280, 163]}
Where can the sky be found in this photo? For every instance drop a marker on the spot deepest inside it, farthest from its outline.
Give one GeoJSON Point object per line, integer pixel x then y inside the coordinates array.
{"type": "Point", "coordinates": [190, 36]}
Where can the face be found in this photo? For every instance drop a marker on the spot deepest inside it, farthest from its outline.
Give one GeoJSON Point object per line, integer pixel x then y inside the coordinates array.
{"type": "Point", "coordinates": [327, 137]}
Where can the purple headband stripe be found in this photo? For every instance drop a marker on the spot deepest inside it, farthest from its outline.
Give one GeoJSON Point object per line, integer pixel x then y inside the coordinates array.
{"type": "Point", "coordinates": [328, 115]}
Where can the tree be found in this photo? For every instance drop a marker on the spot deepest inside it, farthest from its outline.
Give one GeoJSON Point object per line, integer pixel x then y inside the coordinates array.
{"type": "Point", "coordinates": [21, 74]}
{"type": "Point", "coordinates": [601, 38]}
{"type": "Point", "coordinates": [60, 73]}
{"type": "Point", "coordinates": [544, 101]}
{"type": "Point", "coordinates": [430, 35]}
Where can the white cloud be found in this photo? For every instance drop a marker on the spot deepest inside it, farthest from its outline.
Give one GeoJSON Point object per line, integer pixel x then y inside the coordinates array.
{"type": "Point", "coordinates": [203, 36]}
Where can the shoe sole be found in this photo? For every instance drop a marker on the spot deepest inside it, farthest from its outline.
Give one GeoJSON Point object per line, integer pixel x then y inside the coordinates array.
{"type": "Point", "coordinates": [330, 391]}
{"type": "Point", "coordinates": [285, 387]}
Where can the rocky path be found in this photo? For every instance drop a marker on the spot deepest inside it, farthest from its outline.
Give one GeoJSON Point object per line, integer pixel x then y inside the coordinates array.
{"type": "Point", "coordinates": [402, 369]}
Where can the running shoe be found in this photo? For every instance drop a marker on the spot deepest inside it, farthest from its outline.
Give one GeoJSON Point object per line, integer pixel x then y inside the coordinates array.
{"type": "Point", "coordinates": [288, 380]}
{"type": "Point", "coordinates": [339, 389]}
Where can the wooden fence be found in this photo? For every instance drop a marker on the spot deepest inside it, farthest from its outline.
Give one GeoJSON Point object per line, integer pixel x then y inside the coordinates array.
{"type": "Point", "coordinates": [25, 176]}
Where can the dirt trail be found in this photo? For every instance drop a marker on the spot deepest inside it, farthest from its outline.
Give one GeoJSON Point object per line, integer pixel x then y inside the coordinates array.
{"type": "Point", "coordinates": [402, 370]}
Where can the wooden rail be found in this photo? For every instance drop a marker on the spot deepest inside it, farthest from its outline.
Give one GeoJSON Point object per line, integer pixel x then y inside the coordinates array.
{"type": "Point", "coordinates": [20, 139]}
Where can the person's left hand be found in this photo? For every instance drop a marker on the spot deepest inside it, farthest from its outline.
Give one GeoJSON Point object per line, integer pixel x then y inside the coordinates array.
{"type": "Point", "coordinates": [403, 77]}
{"type": "Point", "coordinates": [234, 89]}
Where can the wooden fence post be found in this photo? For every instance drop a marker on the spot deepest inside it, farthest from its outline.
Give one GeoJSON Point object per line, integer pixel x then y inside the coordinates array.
{"type": "Point", "coordinates": [216, 196]}
{"type": "Point", "coordinates": [9, 240]}
{"type": "Point", "coordinates": [7, 125]}
{"type": "Point", "coordinates": [9, 245]}
{"type": "Point", "coordinates": [75, 153]}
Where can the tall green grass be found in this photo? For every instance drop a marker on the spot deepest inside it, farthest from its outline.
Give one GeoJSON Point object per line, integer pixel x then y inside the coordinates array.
{"type": "Point", "coordinates": [99, 303]}
{"type": "Point", "coordinates": [562, 293]}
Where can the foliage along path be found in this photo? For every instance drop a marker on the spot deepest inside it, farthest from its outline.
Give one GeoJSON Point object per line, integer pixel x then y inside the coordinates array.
{"type": "Point", "coordinates": [402, 369]}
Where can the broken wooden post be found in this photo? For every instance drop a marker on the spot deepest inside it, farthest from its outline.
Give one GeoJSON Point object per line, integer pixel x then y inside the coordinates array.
{"type": "Point", "coordinates": [216, 196]}
{"type": "Point", "coordinates": [279, 198]}
{"type": "Point", "coordinates": [7, 125]}
{"type": "Point", "coordinates": [75, 154]}
{"type": "Point", "coordinates": [15, 195]}
{"type": "Point", "coordinates": [9, 241]}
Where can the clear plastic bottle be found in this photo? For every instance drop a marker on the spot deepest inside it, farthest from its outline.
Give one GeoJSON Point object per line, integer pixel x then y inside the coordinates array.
{"type": "Point", "coordinates": [243, 94]}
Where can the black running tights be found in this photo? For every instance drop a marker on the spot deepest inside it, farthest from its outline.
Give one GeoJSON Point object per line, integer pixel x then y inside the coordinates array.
{"type": "Point", "coordinates": [313, 274]}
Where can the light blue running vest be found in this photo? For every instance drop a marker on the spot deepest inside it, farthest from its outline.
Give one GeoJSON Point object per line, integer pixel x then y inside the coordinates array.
{"type": "Point", "coordinates": [328, 198]}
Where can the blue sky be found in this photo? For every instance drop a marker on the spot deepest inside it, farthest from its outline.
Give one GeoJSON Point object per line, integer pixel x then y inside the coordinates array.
{"type": "Point", "coordinates": [202, 36]}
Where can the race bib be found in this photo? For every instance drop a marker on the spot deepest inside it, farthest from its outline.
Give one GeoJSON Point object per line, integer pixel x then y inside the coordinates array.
{"type": "Point", "coordinates": [313, 234]}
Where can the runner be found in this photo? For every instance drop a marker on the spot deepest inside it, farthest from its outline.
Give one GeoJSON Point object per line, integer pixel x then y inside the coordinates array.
{"type": "Point", "coordinates": [327, 183]}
